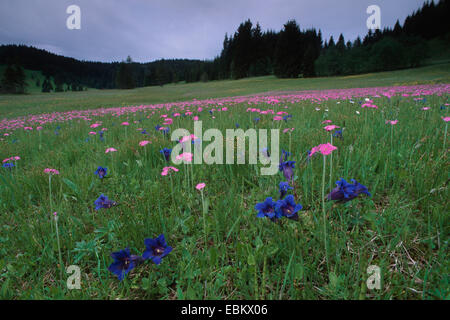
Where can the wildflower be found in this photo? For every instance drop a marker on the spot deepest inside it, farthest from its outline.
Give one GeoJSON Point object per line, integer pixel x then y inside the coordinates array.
{"type": "Point", "coordinates": [125, 123]}
{"type": "Point", "coordinates": [8, 165]}
{"type": "Point", "coordinates": [331, 127]}
{"type": "Point", "coordinates": [392, 122]}
{"type": "Point", "coordinates": [446, 119]}
{"type": "Point", "coordinates": [110, 150]}
{"type": "Point", "coordinates": [267, 209]}
{"type": "Point", "coordinates": [338, 134]}
{"type": "Point", "coordinates": [345, 191]}
{"type": "Point", "coordinates": [284, 187]}
{"type": "Point", "coordinates": [287, 168]}
{"type": "Point", "coordinates": [166, 152]}
{"type": "Point", "coordinates": [200, 186]}
{"type": "Point", "coordinates": [277, 118]}
{"type": "Point", "coordinates": [288, 207]}
{"type": "Point", "coordinates": [144, 131]}
{"type": "Point", "coordinates": [256, 120]}
{"type": "Point", "coordinates": [51, 171]}
{"type": "Point", "coordinates": [156, 249]}
{"type": "Point", "coordinates": [324, 149]}
{"type": "Point", "coordinates": [326, 121]}
{"type": "Point", "coordinates": [144, 143]}
{"type": "Point", "coordinates": [185, 156]}
{"type": "Point", "coordinates": [101, 172]}
{"type": "Point", "coordinates": [166, 170]}
{"type": "Point", "coordinates": [123, 263]}
{"type": "Point", "coordinates": [104, 203]}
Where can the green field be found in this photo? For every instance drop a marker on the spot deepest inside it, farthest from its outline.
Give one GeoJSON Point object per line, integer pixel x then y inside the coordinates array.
{"type": "Point", "coordinates": [221, 250]}
{"type": "Point", "coordinates": [36, 102]}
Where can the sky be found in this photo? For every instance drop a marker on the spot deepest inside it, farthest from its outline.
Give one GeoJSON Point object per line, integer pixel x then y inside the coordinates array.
{"type": "Point", "coordinates": [148, 30]}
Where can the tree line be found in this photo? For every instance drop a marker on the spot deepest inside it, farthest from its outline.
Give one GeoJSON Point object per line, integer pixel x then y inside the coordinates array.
{"type": "Point", "coordinates": [288, 53]}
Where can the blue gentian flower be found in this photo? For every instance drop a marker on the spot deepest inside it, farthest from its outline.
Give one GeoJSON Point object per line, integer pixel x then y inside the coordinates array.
{"type": "Point", "coordinates": [267, 209]}
{"type": "Point", "coordinates": [165, 130]}
{"type": "Point", "coordinates": [104, 203]}
{"type": "Point", "coordinates": [166, 152]}
{"type": "Point", "coordinates": [256, 119]}
{"type": "Point", "coordinates": [338, 134]}
{"type": "Point", "coordinates": [285, 118]}
{"type": "Point", "coordinates": [287, 168]}
{"type": "Point", "coordinates": [284, 187]}
{"type": "Point", "coordinates": [101, 135]}
{"type": "Point", "coordinates": [237, 125]}
{"type": "Point", "coordinates": [157, 127]}
{"type": "Point", "coordinates": [285, 154]}
{"type": "Point", "coordinates": [210, 111]}
{"type": "Point", "coordinates": [101, 172]}
{"type": "Point", "coordinates": [288, 207]}
{"type": "Point", "coordinates": [156, 249]}
{"type": "Point", "coordinates": [144, 131]}
{"type": "Point", "coordinates": [123, 263]}
{"type": "Point", "coordinates": [8, 165]}
{"type": "Point", "coordinates": [345, 191]}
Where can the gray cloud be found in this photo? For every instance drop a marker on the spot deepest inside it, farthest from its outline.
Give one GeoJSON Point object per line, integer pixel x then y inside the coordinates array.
{"type": "Point", "coordinates": [194, 29]}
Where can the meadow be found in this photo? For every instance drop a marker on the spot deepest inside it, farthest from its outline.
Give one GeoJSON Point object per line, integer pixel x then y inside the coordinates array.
{"type": "Point", "coordinates": [391, 139]}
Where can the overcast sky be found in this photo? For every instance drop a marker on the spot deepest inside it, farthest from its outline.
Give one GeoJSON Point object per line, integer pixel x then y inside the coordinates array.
{"type": "Point", "coordinates": [152, 29]}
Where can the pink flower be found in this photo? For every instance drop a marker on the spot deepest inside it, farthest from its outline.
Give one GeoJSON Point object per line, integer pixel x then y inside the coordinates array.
{"type": "Point", "coordinates": [446, 119]}
{"type": "Point", "coordinates": [166, 170]}
{"type": "Point", "coordinates": [51, 171]}
{"type": "Point", "coordinates": [277, 118]}
{"type": "Point", "coordinates": [326, 121]}
{"type": "Point", "coordinates": [392, 122]}
{"type": "Point", "coordinates": [39, 128]}
{"type": "Point", "coordinates": [195, 118]}
{"type": "Point", "coordinates": [288, 129]}
{"type": "Point", "coordinates": [187, 138]}
{"type": "Point", "coordinates": [125, 123]}
{"type": "Point", "coordinates": [331, 127]}
{"type": "Point", "coordinates": [92, 132]}
{"type": "Point", "coordinates": [144, 143]}
{"type": "Point", "coordinates": [110, 150]}
{"type": "Point", "coordinates": [200, 186]}
{"type": "Point", "coordinates": [186, 156]}
{"type": "Point", "coordinates": [426, 108]}
{"type": "Point", "coordinates": [15, 158]}
{"type": "Point", "coordinates": [95, 125]}
{"type": "Point", "coordinates": [27, 128]}
{"type": "Point", "coordinates": [324, 149]}
{"type": "Point", "coordinates": [168, 121]}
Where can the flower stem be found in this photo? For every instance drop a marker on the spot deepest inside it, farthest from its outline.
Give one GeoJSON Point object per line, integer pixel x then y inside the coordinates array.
{"type": "Point", "coordinates": [59, 249]}
{"type": "Point", "coordinates": [331, 162]}
{"type": "Point", "coordinates": [204, 216]}
{"type": "Point", "coordinates": [323, 210]}
{"type": "Point", "coordinates": [445, 134]}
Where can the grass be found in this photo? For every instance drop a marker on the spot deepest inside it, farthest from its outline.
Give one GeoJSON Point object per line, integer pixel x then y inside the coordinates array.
{"type": "Point", "coordinates": [221, 250]}
{"type": "Point", "coordinates": [12, 106]}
